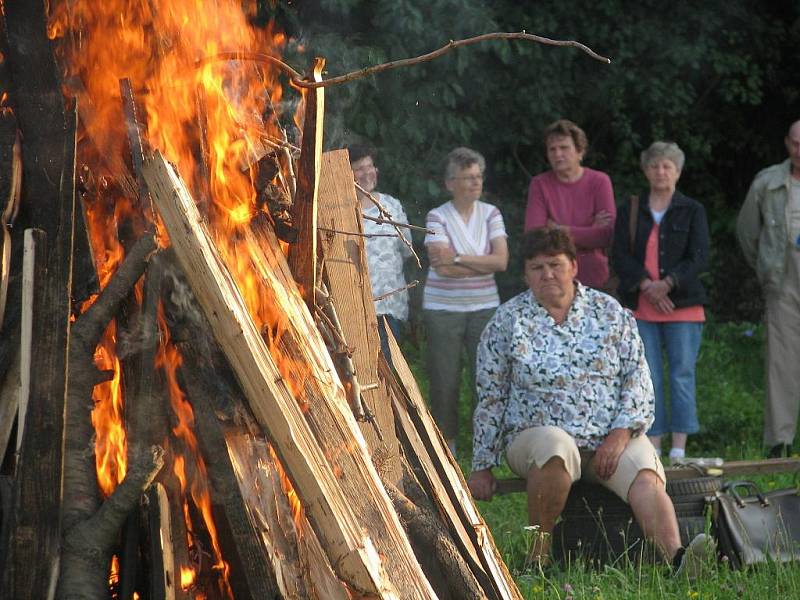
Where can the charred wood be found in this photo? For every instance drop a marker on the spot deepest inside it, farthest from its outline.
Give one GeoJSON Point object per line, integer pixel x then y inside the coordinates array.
{"type": "Point", "coordinates": [49, 168]}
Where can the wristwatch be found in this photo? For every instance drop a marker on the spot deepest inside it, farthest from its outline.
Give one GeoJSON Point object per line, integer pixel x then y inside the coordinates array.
{"type": "Point", "coordinates": [456, 259]}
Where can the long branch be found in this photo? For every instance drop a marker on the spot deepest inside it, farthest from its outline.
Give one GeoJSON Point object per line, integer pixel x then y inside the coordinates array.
{"type": "Point", "coordinates": [299, 81]}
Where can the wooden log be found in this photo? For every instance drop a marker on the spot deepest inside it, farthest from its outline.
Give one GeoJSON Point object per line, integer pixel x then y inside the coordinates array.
{"type": "Point", "coordinates": [303, 252]}
{"type": "Point", "coordinates": [349, 285]}
{"type": "Point", "coordinates": [358, 548]}
{"type": "Point", "coordinates": [50, 192]}
{"type": "Point", "coordinates": [452, 479]}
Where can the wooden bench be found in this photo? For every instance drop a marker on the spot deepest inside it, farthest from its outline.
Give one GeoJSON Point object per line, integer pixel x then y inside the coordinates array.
{"type": "Point", "coordinates": [513, 485]}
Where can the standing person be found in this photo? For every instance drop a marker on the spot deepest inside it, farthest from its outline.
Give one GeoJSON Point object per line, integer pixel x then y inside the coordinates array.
{"type": "Point", "coordinates": [386, 252]}
{"type": "Point", "coordinates": [659, 258]}
{"type": "Point", "coordinates": [565, 392]}
{"type": "Point", "coordinates": [768, 229]}
{"type": "Point", "coordinates": [467, 247]}
{"type": "Point", "coordinates": [577, 198]}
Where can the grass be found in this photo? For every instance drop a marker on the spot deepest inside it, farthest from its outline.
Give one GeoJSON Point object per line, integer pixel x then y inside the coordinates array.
{"type": "Point", "coordinates": [730, 391]}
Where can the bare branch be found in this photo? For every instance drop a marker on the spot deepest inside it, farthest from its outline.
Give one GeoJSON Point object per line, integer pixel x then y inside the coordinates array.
{"type": "Point", "coordinates": [397, 291]}
{"type": "Point", "coordinates": [299, 81]}
{"type": "Point", "coordinates": [358, 233]}
{"type": "Point", "coordinates": [451, 45]}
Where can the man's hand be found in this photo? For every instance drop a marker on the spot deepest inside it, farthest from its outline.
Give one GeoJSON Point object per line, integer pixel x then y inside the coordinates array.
{"type": "Point", "coordinates": [606, 457]}
{"type": "Point", "coordinates": [482, 484]}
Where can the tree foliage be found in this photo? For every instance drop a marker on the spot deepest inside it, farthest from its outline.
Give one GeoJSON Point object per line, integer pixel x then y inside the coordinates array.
{"type": "Point", "coordinates": [717, 78]}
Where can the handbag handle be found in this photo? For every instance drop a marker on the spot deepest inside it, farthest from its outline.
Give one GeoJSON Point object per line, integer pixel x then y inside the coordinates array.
{"type": "Point", "coordinates": [731, 487]}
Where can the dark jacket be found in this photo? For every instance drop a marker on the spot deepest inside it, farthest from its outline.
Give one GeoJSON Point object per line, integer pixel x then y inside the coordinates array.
{"type": "Point", "coordinates": [683, 247]}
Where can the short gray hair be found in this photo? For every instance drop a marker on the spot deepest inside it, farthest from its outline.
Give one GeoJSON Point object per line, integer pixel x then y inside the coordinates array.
{"type": "Point", "coordinates": [658, 150]}
{"type": "Point", "coordinates": [462, 158]}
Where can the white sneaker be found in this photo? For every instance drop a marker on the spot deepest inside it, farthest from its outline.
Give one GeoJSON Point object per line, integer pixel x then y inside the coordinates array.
{"type": "Point", "coordinates": [699, 554]}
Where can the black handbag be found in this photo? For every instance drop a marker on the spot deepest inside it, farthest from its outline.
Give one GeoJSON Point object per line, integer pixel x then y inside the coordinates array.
{"type": "Point", "coordinates": [757, 527]}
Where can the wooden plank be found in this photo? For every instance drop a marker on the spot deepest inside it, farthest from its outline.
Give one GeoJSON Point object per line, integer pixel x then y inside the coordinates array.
{"type": "Point", "coordinates": [33, 274]}
{"type": "Point", "coordinates": [164, 573]}
{"type": "Point", "coordinates": [303, 252]}
{"type": "Point", "coordinates": [350, 512]}
{"type": "Point", "coordinates": [452, 479]}
{"type": "Point", "coordinates": [348, 281]}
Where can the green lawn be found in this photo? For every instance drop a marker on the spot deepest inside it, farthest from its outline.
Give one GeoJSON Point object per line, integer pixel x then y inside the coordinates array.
{"type": "Point", "coordinates": [730, 382]}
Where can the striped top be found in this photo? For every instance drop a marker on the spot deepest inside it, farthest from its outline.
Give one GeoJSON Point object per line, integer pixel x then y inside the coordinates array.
{"type": "Point", "coordinates": [464, 294]}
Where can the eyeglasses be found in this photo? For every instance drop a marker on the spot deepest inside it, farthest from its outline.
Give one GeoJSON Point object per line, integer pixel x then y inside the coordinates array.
{"type": "Point", "coordinates": [468, 178]}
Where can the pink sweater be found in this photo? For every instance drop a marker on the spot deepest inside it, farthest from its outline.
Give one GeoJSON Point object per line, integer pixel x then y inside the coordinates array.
{"type": "Point", "coordinates": [575, 205]}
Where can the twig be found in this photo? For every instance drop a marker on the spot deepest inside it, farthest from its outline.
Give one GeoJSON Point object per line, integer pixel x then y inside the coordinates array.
{"type": "Point", "coordinates": [414, 283]}
{"type": "Point", "coordinates": [386, 217]}
{"type": "Point", "coordinates": [396, 223]}
{"type": "Point", "coordinates": [298, 80]}
{"type": "Point", "coordinates": [358, 233]}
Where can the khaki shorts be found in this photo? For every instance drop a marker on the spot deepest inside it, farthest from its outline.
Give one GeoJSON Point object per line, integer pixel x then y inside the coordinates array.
{"type": "Point", "coordinates": [537, 445]}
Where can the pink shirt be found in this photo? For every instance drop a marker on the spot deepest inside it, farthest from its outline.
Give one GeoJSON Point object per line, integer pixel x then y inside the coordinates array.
{"type": "Point", "coordinates": [575, 205]}
{"type": "Point", "coordinates": [645, 311]}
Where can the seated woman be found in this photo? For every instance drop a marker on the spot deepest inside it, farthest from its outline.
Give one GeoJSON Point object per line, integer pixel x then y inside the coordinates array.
{"type": "Point", "coordinates": [661, 245]}
{"type": "Point", "coordinates": [467, 247]}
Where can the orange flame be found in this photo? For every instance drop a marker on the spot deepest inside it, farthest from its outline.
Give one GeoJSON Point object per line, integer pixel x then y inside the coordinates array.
{"type": "Point", "coordinates": [167, 49]}
{"type": "Point", "coordinates": [169, 360]}
{"type": "Point", "coordinates": [187, 578]}
{"type": "Point", "coordinates": [296, 506]}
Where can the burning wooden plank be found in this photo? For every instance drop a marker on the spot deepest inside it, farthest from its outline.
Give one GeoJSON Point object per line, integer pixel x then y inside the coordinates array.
{"type": "Point", "coordinates": [370, 553]}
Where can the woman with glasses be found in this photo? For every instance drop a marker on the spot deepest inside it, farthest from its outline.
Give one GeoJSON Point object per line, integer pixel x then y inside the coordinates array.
{"type": "Point", "coordinates": [575, 198]}
{"type": "Point", "coordinates": [466, 247]}
{"type": "Point", "coordinates": [661, 247]}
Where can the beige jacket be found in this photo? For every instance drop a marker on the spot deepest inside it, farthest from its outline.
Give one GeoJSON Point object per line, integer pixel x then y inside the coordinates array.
{"type": "Point", "coordinates": [762, 225]}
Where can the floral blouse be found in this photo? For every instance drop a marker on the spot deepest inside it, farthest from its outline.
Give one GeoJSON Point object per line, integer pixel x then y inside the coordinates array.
{"type": "Point", "coordinates": [587, 375]}
{"type": "Point", "coordinates": [385, 255]}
